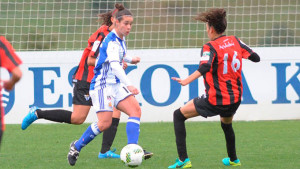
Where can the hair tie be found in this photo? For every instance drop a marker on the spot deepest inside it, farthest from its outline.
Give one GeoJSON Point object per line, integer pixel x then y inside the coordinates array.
{"type": "Point", "coordinates": [114, 12]}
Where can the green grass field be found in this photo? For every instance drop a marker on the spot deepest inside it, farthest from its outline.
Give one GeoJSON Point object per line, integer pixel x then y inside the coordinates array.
{"type": "Point", "coordinates": [260, 145]}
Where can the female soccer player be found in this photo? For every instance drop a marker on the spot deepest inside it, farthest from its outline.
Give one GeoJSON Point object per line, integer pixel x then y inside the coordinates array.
{"type": "Point", "coordinates": [221, 67]}
{"type": "Point", "coordinates": [81, 99]}
{"type": "Point", "coordinates": [10, 61]}
{"type": "Point", "coordinates": [110, 87]}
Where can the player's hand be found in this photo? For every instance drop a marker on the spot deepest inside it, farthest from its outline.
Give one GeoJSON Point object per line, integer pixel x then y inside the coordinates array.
{"type": "Point", "coordinates": [135, 60]}
{"type": "Point", "coordinates": [133, 90]}
{"type": "Point", "coordinates": [180, 81]}
{"type": "Point", "coordinates": [124, 65]}
{"type": "Point", "coordinates": [8, 85]}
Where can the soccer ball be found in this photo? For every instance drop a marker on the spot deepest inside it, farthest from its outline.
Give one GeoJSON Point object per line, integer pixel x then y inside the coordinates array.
{"type": "Point", "coordinates": [132, 155]}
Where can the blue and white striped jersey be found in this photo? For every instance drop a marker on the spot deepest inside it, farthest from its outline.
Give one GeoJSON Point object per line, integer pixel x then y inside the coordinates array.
{"type": "Point", "coordinates": [112, 49]}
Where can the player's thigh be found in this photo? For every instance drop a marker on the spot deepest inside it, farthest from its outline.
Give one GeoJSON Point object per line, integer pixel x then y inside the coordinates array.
{"type": "Point", "coordinates": [116, 113]}
{"type": "Point", "coordinates": [189, 110]}
{"type": "Point", "coordinates": [130, 106]}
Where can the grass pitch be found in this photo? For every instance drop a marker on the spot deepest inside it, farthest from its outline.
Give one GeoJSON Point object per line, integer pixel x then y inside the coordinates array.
{"type": "Point", "coordinates": [260, 145]}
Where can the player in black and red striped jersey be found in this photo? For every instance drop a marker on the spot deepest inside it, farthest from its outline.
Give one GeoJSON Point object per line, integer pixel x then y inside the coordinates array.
{"type": "Point", "coordinates": [10, 61]}
{"type": "Point", "coordinates": [81, 99]}
{"type": "Point", "coordinates": [221, 67]}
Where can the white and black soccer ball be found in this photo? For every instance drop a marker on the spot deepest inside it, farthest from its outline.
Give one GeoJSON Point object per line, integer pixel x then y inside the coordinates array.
{"type": "Point", "coordinates": [132, 155]}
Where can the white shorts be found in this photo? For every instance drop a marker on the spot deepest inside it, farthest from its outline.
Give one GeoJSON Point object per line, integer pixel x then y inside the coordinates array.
{"type": "Point", "coordinates": [108, 97]}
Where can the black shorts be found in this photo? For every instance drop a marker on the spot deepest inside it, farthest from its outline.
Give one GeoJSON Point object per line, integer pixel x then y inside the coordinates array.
{"type": "Point", "coordinates": [205, 109]}
{"type": "Point", "coordinates": [81, 94]}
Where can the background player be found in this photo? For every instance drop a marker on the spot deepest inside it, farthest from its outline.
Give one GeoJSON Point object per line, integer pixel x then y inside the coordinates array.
{"type": "Point", "coordinates": [221, 66]}
{"type": "Point", "coordinates": [10, 61]}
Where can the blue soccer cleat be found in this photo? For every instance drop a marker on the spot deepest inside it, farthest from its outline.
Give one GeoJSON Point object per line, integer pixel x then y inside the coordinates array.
{"type": "Point", "coordinates": [227, 162]}
{"type": "Point", "coordinates": [109, 154]}
{"type": "Point", "coordinates": [29, 118]}
{"type": "Point", "coordinates": [179, 164]}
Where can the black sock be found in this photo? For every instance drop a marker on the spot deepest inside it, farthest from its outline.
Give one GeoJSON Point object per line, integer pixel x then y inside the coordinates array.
{"type": "Point", "coordinates": [109, 135]}
{"type": "Point", "coordinates": [58, 115]}
{"type": "Point", "coordinates": [180, 134]}
{"type": "Point", "coordinates": [230, 140]}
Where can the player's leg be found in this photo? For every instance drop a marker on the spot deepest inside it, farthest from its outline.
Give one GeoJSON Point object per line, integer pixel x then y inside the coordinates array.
{"type": "Point", "coordinates": [78, 115]}
{"type": "Point", "coordinates": [81, 107]}
{"type": "Point", "coordinates": [127, 103]}
{"type": "Point", "coordinates": [131, 107]}
{"type": "Point", "coordinates": [226, 124]}
{"type": "Point", "coordinates": [109, 136]}
{"type": "Point", "coordinates": [179, 117]}
{"type": "Point", "coordinates": [102, 104]}
{"type": "Point", "coordinates": [104, 122]}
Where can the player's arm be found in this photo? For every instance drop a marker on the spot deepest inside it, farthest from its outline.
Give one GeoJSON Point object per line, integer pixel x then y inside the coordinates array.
{"type": "Point", "coordinates": [10, 61]}
{"type": "Point", "coordinates": [132, 60]}
{"type": "Point", "coordinates": [247, 52]}
{"type": "Point", "coordinates": [16, 75]}
{"type": "Point", "coordinates": [117, 70]}
{"type": "Point", "coordinates": [91, 61]}
{"type": "Point", "coordinates": [254, 57]}
{"type": "Point", "coordinates": [94, 53]}
{"type": "Point", "coordinates": [204, 66]}
{"type": "Point", "coordinates": [189, 79]}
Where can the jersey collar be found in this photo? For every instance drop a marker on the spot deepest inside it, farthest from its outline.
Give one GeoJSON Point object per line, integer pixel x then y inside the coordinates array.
{"type": "Point", "coordinates": [114, 31]}
{"type": "Point", "coordinates": [218, 37]}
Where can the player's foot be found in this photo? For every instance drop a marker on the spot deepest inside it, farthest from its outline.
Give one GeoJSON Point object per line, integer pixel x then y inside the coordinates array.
{"type": "Point", "coordinates": [227, 162]}
{"type": "Point", "coordinates": [73, 154]}
{"type": "Point", "coordinates": [29, 118]}
{"type": "Point", "coordinates": [147, 154]}
{"type": "Point", "coordinates": [179, 164]}
{"type": "Point", "coordinates": [109, 154]}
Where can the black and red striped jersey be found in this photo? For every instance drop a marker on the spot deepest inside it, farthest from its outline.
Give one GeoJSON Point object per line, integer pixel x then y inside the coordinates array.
{"type": "Point", "coordinates": [83, 71]}
{"type": "Point", "coordinates": [221, 67]}
{"type": "Point", "coordinates": [8, 58]}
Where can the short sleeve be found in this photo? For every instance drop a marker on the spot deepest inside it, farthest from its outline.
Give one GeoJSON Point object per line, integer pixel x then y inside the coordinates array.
{"type": "Point", "coordinates": [246, 50]}
{"type": "Point", "coordinates": [9, 58]}
{"type": "Point", "coordinates": [206, 54]}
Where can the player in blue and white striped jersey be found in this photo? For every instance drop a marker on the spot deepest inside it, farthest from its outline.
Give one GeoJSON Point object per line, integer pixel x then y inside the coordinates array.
{"type": "Point", "coordinates": [111, 87]}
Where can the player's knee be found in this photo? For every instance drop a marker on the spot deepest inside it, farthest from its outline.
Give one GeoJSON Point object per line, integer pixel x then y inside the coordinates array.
{"type": "Point", "coordinates": [226, 127]}
{"type": "Point", "coordinates": [136, 112]}
{"type": "Point", "coordinates": [177, 115]}
{"type": "Point", "coordinates": [104, 125]}
{"type": "Point", "coordinates": [77, 121]}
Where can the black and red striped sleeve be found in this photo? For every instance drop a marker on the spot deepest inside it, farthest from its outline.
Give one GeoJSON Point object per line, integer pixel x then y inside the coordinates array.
{"type": "Point", "coordinates": [206, 57]}
{"type": "Point", "coordinates": [8, 57]}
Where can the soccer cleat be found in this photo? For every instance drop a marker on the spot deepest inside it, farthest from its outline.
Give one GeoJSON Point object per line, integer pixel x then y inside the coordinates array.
{"type": "Point", "coordinates": [73, 154]}
{"type": "Point", "coordinates": [29, 118]}
{"type": "Point", "coordinates": [109, 154]}
{"type": "Point", "coordinates": [179, 164]}
{"type": "Point", "coordinates": [147, 154]}
{"type": "Point", "coordinates": [227, 162]}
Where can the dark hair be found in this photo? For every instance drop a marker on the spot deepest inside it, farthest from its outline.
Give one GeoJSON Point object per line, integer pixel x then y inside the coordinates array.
{"type": "Point", "coordinates": [123, 12]}
{"type": "Point", "coordinates": [106, 17]}
{"type": "Point", "coordinates": [215, 18]}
